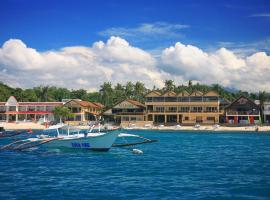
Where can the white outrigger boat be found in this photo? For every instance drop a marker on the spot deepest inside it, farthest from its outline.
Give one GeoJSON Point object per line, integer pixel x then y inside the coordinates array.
{"type": "Point", "coordinates": [65, 136]}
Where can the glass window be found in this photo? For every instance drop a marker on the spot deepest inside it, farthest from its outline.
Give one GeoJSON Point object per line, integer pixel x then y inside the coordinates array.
{"type": "Point", "coordinates": [12, 108]}
{"type": "Point", "coordinates": [196, 109]}
{"type": "Point", "coordinates": [170, 99]}
{"type": "Point", "coordinates": [149, 99]}
{"type": "Point", "coordinates": [195, 99]}
{"type": "Point", "coordinates": [184, 99]}
{"type": "Point", "coordinates": [22, 108]}
{"type": "Point", "coordinates": [31, 108]}
{"type": "Point", "coordinates": [184, 109]}
{"type": "Point", "coordinates": [210, 99]}
{"type": "Point", "coordinates": [172, 108]}
{"type": "Point", "coordinates": [160, 108]}
{"type": "Point", "coordinates": [2, 108]}
{"type": "Point", "coordinates": [158, 99]}
{"type": "Point", "coordinates": [125, 119]}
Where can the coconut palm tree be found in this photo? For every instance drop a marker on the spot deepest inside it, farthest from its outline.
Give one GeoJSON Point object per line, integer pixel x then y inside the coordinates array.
{"type": "Point", "coordinates": [62, 113]}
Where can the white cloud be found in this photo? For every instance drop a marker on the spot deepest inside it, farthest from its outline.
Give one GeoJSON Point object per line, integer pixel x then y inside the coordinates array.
{"type": "Point", "coordinates": [261, 15]}
{"type": "Point", "coordinates": [222, 66]}
{"type": "Point", "coordinates": [117, 61]}
{"type": "Point", "coordinates": [147, 31]}
{"type": "Point", "coordinates": [77, 66]}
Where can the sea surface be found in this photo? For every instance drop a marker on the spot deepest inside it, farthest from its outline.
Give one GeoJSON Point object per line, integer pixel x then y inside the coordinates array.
{"type": "Point", "coordinates": [181, 165]}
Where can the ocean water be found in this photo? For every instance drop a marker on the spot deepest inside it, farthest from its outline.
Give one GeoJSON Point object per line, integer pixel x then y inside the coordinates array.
{"type": "Point", "coordinates": [181, 165]}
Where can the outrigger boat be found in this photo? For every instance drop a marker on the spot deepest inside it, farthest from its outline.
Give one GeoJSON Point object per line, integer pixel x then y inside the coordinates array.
{"type": "Point", "coordinates": [65, 136]}
{"type": "Point", "coordinates": [7, 134]}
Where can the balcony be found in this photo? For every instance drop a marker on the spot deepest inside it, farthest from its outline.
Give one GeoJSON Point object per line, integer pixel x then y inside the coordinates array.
{"type": "Point", "coordinates": [256, 112]}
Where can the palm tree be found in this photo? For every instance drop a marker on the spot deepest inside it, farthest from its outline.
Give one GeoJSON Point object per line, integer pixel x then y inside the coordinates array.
{"type": "Point", "coordinates": [62, 112]}
{"type": "Point", "coordinates": [169, 85]}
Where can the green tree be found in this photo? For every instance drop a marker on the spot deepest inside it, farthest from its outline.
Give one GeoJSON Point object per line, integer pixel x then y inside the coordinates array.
{"type": "Point", "coordinates": [106, 93]}
{"type": "Point", "coordinates": [169, 86]}
{"type": "Point", "coordinates": [62, 113]}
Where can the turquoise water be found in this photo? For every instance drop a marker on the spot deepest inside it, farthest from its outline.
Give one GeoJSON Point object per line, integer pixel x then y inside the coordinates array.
{"type": "Point", "coordinates": [182, 165]}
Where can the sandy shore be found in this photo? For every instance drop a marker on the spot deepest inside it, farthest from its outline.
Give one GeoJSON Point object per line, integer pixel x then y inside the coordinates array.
{"type": "Point", "coordinates": [31, 125]}
{"type": "Point", "coordinates": [21, 126]}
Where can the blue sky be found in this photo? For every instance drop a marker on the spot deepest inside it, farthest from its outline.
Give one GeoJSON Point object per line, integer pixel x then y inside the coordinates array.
{"type": "Point", "coordinates": [90, 42]}
{"type": "Point", "coordinates": [50, 24]}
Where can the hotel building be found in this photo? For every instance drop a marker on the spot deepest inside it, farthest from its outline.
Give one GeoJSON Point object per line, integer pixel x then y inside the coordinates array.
{"type": "Point", "coordinates": [12, 110]}
{"type": "Point", "coordinates": [83, 111]}
{"type": "Point", "coordinates": [126, 113]}
{"type": "Point", "coordinates": [242, 111]}
{"type": "Point", "coordinates": [182, 108]}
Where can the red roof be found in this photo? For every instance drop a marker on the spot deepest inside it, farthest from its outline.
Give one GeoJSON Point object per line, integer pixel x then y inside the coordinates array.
{"type": "Point", "coordinates": [84, 103]}
{"type": "Point", "coordinates": [40, 103]}
{"type": "Point", "coordinates": [28, 112]}
{"type": "Point", "coordinates": [36, 103]}
{"type": "Point", "coordinates": [98, 104]}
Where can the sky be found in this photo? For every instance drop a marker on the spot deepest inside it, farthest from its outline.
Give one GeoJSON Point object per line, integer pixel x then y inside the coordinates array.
{"type": "Point", "coordinates": [81, 44]}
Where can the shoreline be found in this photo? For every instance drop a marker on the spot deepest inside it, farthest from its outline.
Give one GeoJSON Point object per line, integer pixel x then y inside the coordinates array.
{"type": "Point", "coordinates": [36, 126]}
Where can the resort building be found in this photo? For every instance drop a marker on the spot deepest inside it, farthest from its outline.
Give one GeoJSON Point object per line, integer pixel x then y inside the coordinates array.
{"type": "Point", "coordinates": [182, 108]}
{"type": "Point", "coordinates": [266, 112]}
{"type": "Point", "coordinates": [242, 111]}
{"type": "Point", "coordinates": [14, 111]}
{"type": "Point", "coordinates": [128, 112]}
{"type": "Point", "coordinates": [83, 111]}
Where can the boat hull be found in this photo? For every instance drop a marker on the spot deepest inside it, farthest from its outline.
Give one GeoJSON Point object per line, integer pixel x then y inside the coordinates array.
{"type": "Point", "coordinates": [101, 142]}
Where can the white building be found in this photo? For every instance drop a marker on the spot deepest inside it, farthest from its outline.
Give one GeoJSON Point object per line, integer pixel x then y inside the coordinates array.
{"type": "Point", "coordinates": [266, 112]}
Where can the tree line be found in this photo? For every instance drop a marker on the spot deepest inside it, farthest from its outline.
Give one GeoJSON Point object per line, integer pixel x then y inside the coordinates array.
{"type": "Point", "coordinates": [109, 94]}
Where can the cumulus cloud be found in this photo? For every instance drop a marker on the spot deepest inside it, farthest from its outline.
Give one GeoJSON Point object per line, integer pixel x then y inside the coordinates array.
{"type": "Point", "coordinates": [77, 66]}
{"type": "Point", "coordinates": [117, 61]}
{"type": "Point", "coordinates": [222, 66]}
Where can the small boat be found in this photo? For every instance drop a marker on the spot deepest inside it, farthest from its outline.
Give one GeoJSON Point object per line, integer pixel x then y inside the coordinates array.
{"type": "Point", "coordinates": [216, 127]}
{"type": "Point", "coordinates": [65, 136]}
{"type": "Point", "coordinates": [197, 126]}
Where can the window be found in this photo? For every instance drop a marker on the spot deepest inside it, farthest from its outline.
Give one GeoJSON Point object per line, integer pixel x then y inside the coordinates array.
{"type": "Point", "coordinates": [2, 108]}
{"type": "Point", "coordinates": [184, 109]}
{"type": "Point", "coordinates": [210, 119]}
{"type": "Point", "coordinates": [133, 119]}
{"type": "Point", "coordinates": [40, 108]}
{"type": "Point", "coordinates": [172, 108]}
{"type": "Point", "coordinates": [158, 99]}
{"type": "Point", "coordinates": [12, 108]}
{"type": "Point", "coordinates": [211, 109]}
{"type": "Point", "coordinates": [125, 119]}
{"type": "Point", "coordinates": [31, 108]}
{"type": "Point", "coordinates": [22, 108]}
{"type": "Point", "coordinates": [149, 99]}
{"type": "Point", "coordinates": [49, 108]}
{"type": "Point", "coordinates": [186, 118]}
{"type": "Point", "coordinates": [210, 99]}
{"type": "Point", "coordinates": [196, 109]}
{"type": "Point", "coordinates": [170, 99]}
{"type": "Point", "coordinates": [184, 99]}
{"type": "Point", "coordinates": [195, 99]}
{"type": "Point", "coordinates": [160, 108]}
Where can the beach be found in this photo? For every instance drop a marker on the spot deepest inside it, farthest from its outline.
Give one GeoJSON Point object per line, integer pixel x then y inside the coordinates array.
{"type": "Point", "coordinates": [36, 126]}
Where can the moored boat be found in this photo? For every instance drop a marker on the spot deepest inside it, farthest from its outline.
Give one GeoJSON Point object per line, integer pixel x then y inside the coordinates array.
{"type": "Point", "coordinates": [65, 136]}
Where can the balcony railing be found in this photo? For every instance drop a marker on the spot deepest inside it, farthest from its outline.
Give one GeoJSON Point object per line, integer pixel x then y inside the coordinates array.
{"type": "Point", "coordinates": [180, 111]}
{"type": "Point", "coordinates": [243, 112]}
